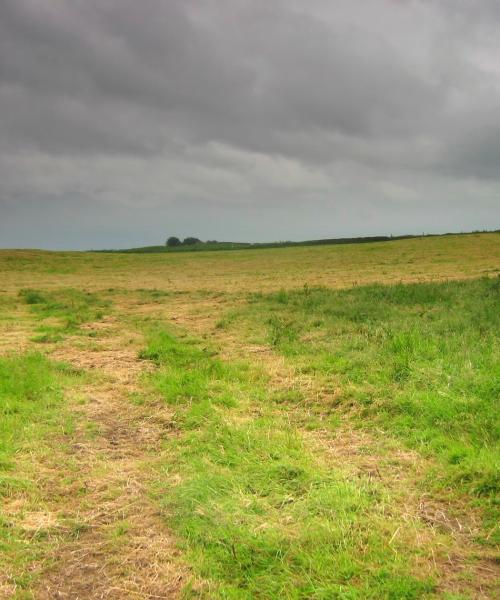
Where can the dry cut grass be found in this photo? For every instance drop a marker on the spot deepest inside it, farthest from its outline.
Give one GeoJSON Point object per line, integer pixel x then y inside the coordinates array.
{"type": "Point", "coordinates": [426, 259]}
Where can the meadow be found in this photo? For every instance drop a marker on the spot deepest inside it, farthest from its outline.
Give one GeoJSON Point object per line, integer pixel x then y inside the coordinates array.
{"type": "Point", "coordinates": [305, 422]}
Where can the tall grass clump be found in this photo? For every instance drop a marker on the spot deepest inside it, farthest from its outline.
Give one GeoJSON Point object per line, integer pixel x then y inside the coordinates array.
{"type": "Point", "coordinates": [30, 397]}
{"type": "Point", "coordinates": [69, 307]}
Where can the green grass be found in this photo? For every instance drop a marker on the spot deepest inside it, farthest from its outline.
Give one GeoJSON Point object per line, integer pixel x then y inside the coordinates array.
{"type": "Point", "coordinates": [421, 361]}
{"type": "Point", "coordinates": [69, 307]}
{"type": "Point", "coordinates": [258, 513]}
{"type": "Point", "coordinates": [31, 415]}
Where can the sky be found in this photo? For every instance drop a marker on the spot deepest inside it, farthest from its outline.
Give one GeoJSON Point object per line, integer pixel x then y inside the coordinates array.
{"type": "Point", "coordinates": [125, 122]}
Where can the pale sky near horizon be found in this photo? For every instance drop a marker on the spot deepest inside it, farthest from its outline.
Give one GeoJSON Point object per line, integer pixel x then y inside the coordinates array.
{"type": "Point", "coordinates": [124, 122]}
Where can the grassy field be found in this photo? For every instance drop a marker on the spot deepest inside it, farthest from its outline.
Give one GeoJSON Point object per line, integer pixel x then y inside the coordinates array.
{"type": "Point", "coordinates": [314, 422]}
{"type": "Point", "coordinates": [417, 260]}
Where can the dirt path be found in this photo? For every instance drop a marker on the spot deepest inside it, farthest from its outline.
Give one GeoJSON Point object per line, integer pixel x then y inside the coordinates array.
{"type": "Point", "coordinates": [120, 547]}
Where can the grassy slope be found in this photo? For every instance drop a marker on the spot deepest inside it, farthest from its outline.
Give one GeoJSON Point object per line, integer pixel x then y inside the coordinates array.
{"type": "Point", "coordinates": [251, 270]}
{"type": "Point", "coordinates": [218, 246]}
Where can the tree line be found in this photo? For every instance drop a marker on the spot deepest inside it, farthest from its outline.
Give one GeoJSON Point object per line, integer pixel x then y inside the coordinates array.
{"type": "Point", "coordinates": [173, 241]}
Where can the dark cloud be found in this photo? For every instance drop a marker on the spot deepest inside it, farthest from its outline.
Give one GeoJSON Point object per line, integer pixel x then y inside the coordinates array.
{"type": "Point", "coordinates": [303, 118]}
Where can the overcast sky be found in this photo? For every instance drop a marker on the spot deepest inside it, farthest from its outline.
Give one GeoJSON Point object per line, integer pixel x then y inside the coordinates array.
{"type": "Point", "coordinates": [123, 122]}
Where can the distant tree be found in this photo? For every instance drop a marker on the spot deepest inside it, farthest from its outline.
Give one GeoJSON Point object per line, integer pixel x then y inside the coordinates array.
{"type": "Point", "coordinates": [212, 242]}
{"type": "Point", "coordinates": [173, 241]}
{"type": "Point", "coordinates": [190, 241]}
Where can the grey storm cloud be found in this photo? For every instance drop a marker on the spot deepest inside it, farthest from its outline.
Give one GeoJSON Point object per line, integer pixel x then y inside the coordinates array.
{"type": "Point", "coordinates": [124, 121]}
